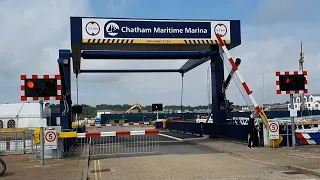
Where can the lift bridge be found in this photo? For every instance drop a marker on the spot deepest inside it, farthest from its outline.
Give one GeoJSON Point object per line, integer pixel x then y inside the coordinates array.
{"type": "Point", "coordinates": [103, 38]}
{"type": "Point", "coordinates": [197, 40]}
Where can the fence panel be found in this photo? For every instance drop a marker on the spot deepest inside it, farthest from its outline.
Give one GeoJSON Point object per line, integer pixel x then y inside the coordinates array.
{"type": "Point", "coordinates": [122, 142]}
{"type": "Point", "coordinates": [20, 142]}
{"type": "Point", "coordinates": [193, 128]}
{"type": "Point", "coordinates": [231, 131]}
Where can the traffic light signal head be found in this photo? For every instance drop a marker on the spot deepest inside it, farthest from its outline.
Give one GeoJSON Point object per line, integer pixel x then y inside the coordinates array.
{"type": "Point", "coordinates": [30, 84]}
{"type": "Point", "coordinates": [292, 82]}
{"type": "Point", "coordinates": [40, 87]}
{"type": "Point", "coordinates": [230, 103]}
{"type": "Point", "coordinates": [230, 106]}
{"type": "Point", "coordinates": [220, 96]}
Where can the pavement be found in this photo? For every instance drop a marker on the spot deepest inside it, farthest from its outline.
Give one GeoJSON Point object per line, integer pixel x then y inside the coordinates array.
{"type": "Point", "coordinates": [141, 145]}
{"type": "Point", "coordinates": [19, 167]}
{"type": "Point", "coordinates": [187, 167]}
{"type": "Point", "coordinates": [306, 159]}
{"type": "Point", "coordinates": [182, 157]}
{"type": "Point", "coordinates": [179, 157]}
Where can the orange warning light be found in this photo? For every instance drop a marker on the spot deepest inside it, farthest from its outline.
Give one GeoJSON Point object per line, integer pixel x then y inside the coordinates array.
{"type": "Point", "coordinates": [30, 84]}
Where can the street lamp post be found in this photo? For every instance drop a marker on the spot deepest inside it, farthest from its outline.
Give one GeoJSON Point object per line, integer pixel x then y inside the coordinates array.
{"type": "Point", "coordinates": [262, 89]}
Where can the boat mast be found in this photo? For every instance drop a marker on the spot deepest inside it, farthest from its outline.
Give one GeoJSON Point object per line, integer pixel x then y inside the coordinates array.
{"type": "Point", "coordinates": [301, 61]}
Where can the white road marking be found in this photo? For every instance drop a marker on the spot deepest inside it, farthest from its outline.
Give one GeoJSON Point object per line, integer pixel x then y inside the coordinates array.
{"type": "Point", "coordinates": [172, 137]}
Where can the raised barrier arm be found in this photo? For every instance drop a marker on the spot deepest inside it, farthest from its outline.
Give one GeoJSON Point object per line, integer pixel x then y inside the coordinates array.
{"type": "Point", "coordinates": [244, 85]}
{"type": "Point", "coordinates": [242, 81]}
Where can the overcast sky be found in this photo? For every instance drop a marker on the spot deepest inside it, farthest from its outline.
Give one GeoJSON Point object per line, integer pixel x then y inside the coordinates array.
{"type": "Point", "coordinates": [33, 31]}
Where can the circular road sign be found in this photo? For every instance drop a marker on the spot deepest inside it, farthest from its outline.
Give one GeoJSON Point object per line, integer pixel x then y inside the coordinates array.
{"type": "Point", "coordinates": [273, 127]}
{"type": "Point", "coordinates": [221, 29]}
{"type": "Point", "coordinates": [50, 136]}
{"type": "Point", "coordinates": [92, 28]}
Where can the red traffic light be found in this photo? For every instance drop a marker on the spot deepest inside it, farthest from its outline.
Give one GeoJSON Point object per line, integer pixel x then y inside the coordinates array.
{"type": "Point", "coordinates": [30, 84]}
{"type": "Point", "coordinates": [292, 82]}
{"type": "Point", "coordinates": [288, 80]}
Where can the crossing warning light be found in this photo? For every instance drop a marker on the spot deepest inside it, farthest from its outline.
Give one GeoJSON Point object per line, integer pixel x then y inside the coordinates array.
{"type": "Point", "coordinates": [292, 83]}
{"type": "Point", "coordinates": [41, 87]}
{"type": "Point", "coordinates": [36, 88]}
{"type": "Point", "coordinates": [30, 84]}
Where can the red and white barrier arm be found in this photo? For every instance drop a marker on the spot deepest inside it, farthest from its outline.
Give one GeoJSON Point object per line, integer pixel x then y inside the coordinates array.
{"type": "Point", "coordinates": [244, 84]}
{"type": "Point", "coordinates": [118, 133]}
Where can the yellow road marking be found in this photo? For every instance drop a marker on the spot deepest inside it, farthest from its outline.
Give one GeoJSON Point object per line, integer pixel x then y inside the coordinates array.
{"type": "Point", "coordinates": [95, 169]}
{"type": "Point", "coordinates": [99, 166]}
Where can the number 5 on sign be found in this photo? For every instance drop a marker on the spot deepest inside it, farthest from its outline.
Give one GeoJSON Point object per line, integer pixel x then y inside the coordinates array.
{"type": "Point", "coordinates": [51, 139]}
{"type": "Point", "coordinates": [273, 130]}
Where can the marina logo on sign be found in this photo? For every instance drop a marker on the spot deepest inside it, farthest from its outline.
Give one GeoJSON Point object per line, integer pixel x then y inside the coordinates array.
{"type": "Point", "coordinates": [112, 29]}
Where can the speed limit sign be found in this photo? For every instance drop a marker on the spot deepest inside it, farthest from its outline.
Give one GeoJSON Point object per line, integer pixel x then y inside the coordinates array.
{"type": "Point", "coordinates": [273, 130]}
{"type": "Point", "coordinates": [50, 137]}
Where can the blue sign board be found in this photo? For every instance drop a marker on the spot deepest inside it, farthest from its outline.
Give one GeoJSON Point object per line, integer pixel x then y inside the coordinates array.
{"type": "Point", "coordinates": [139, 31]}
{"type": "Point", "coordinates": [97, 120]}
{"type": "Point", "coordinates": [157, 29]}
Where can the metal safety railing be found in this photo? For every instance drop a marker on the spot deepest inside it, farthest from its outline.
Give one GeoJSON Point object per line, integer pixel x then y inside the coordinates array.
{"type": "Point", "coordinates": [120, 142]}
{"type": "Point", "coordinates": [20, 142]}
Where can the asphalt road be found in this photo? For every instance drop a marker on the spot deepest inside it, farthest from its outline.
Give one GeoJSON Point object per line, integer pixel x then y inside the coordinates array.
{"type": "Point", "coordinates": [180, 135]}
{"type": "Point", "coordinates": [130, 146]}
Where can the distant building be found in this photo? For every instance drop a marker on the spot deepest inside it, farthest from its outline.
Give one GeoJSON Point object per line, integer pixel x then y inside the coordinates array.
{"type": "Point", "coordinates": [312, 102]}
{"type": "Point", "coordinates": [99, 112]}
{"type": "Point", "coordinates": [276, 107]}
{"type": "Point", "coordinates": [245, 108]}
{"type": "Point", "coordinates": [21, 115]}
{"type": "Point", "coordinates": [201, 111]}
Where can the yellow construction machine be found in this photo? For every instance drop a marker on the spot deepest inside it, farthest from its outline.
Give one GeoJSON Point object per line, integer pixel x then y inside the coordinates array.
{"type": "Point", "coordinates": [137, 104]}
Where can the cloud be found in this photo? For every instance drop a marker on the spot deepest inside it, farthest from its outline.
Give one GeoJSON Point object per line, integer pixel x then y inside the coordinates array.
{"type": "Point", "coordinates": [37, 29]}
{"type": "Point", "coordinates": [272, 44]}
{"type": "Point", "coordinates": [286, 11]}
{"type": "Point", "coordinates": [113, 6]}
{"type": "Point", "coordinates": [31, 34]}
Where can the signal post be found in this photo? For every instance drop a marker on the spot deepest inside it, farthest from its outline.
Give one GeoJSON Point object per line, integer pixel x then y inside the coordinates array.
{"type": "Point", "coordinates": [295, 83]}
{"type": "Point", "coordinates": [40, 89]}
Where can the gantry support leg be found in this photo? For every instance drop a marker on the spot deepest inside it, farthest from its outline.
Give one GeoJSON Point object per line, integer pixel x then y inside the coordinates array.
{"type": "Point", "coordinates": [65, 103]}
{"type": "Point", "coordinates": [219, 114]}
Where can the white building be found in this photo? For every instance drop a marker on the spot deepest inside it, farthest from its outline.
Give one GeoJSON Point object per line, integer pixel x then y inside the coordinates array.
{"type": "Point", "coordinates": [312, 102]}
{"type": "Point", "coordinates": [21, 115]}
{"type": "Point", "coordinates": [99, 112]}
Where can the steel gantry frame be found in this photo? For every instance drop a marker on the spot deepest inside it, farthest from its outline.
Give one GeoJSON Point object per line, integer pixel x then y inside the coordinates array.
{"type": "Point", "coordinates": [198, 50]}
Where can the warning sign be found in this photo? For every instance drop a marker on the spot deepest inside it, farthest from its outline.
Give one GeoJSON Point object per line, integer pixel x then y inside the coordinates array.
{"type": "Point", "coordinates": [273, 130]}
{"type": "Point", "coordinates": [50, 137]}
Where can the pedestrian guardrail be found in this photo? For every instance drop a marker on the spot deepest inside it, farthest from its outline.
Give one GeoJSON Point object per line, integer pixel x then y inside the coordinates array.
{"type": "Point", "coordinates": [120, 142]}
{"type": "Point", "coordinates": [17, 142]}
